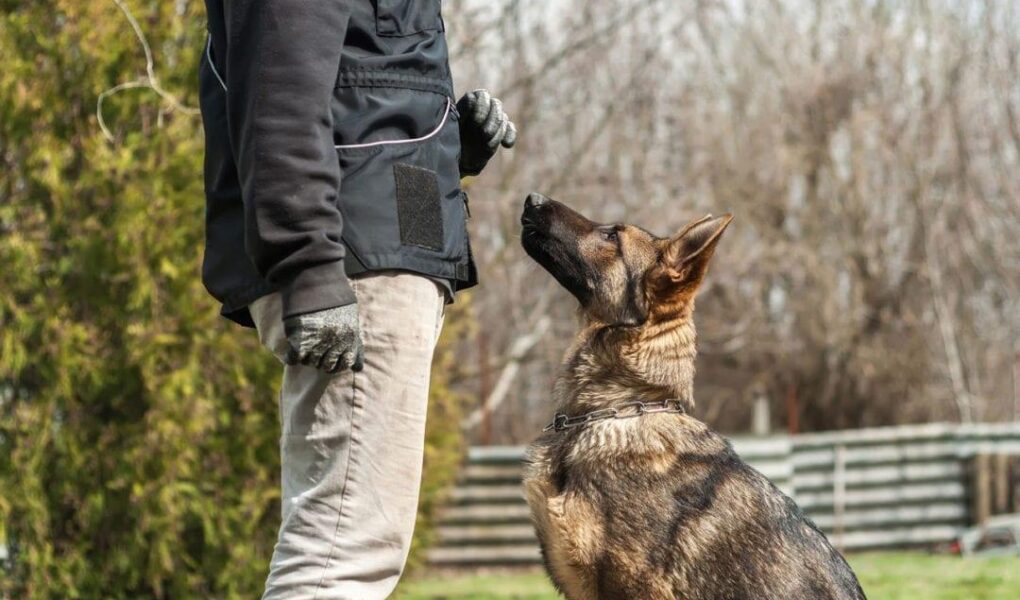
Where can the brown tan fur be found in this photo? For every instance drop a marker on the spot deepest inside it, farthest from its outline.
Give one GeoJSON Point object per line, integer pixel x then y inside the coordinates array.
{"type": "Point", "coordinates": [658, 506]}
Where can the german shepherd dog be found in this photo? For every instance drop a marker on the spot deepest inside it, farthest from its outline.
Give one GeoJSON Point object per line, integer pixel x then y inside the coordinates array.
{"type": "Point", "coordinates": [657, 506]}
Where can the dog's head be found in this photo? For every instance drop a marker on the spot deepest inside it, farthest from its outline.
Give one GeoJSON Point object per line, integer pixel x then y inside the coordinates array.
{"type": "Point", "coordinates": [621, 274]}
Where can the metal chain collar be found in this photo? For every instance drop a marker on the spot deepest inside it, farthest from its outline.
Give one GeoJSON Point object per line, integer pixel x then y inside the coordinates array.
{"type": "Point", "coordinates": [562, 422]}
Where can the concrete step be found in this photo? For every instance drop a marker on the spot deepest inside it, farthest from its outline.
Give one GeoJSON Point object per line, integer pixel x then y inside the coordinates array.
{"type": "Point", "coordinates": [491, 473]}
{"type": "Point", "coordinates": [463, 556]}
{"type": "Point", "coordinates": [489, 535]}
{"type": "Point", "coordinates": [487, 494]}
{"type": "Point", "coordinates": [496, 454]}
{"type": "Point", "coordinates": [486, 514]}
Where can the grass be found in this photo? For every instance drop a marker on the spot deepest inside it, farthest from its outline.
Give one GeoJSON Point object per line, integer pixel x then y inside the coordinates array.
{"type": "Point", "coordinates": [910, 576]}
{"type": "Point", "coordinates": [884, 576]}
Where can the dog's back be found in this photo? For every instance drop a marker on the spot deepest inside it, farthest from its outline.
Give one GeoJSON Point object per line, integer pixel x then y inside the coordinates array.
{"type": "Point", "coordinates": [670, 511]}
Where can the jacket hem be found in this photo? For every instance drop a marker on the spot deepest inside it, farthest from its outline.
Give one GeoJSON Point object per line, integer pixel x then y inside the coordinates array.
{"type": "Point", "coordinates": [235, 307]}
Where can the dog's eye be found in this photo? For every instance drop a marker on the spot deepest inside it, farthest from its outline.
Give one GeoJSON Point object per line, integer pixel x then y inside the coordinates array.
{"type": "Point", "coordinates": [610, 235]}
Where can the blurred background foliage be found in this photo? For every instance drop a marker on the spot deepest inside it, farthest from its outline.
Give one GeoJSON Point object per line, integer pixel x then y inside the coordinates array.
{"type": "Point", "coordinates": [138, 429]}
{"type": "Point", "coordinates": [869, 150]}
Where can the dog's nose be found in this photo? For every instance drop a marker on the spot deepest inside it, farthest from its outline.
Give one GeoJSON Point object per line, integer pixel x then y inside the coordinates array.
{"type": "Point", "coordinates": [535, 200]}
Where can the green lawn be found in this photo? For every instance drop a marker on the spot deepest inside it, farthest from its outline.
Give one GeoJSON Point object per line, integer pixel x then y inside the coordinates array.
{"type": "Point", "coordinates": [884, 576]}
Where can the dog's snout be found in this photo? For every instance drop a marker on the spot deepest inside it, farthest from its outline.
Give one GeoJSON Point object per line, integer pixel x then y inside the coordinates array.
{"type": "Point", "coordinates": [535, 200]}
{"type": "Point", "coordinates": [535, 210]}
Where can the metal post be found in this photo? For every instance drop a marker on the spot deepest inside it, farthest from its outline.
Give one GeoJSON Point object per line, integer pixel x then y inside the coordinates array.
{"type": "Point", "coordinates": [760, 418]}
{"type": "Point", "coordinates": [484, 388]}
{"type": "Point", "coordinates": [839, 494]}
{"type": "Point", "coordinates": [1016, 381]}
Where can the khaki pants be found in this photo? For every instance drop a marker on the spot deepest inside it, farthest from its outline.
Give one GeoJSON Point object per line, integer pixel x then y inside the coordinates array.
{"type": "Point", "coordinates": [352, 444]}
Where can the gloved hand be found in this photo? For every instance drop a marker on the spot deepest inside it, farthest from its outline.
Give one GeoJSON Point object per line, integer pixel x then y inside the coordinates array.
{"type": "Point", "coordinates": [329, 340]}
{"type": "Point", "coordinates": [483, 128]}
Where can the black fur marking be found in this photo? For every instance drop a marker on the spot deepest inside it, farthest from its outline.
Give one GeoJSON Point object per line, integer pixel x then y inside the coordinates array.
{"type": "Point", "coordinates": [562, 263]}
{"type": "Point", "coordinates": [636, 311]}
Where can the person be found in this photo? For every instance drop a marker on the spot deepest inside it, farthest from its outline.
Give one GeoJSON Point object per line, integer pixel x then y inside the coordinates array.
{"type": "Point", "coordinates": [336, 225]}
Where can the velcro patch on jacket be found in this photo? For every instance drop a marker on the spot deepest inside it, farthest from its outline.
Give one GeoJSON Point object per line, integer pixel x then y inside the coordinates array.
{"type": "Point", "coordinates": [419, 208]}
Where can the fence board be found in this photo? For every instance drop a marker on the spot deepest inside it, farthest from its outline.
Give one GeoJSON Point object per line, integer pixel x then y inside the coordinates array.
{"type": "Point", "coordinates": [901, 486]}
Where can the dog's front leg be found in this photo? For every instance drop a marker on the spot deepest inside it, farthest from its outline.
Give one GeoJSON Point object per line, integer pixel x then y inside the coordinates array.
{"type": "Point", "coordinates": [572, 540]}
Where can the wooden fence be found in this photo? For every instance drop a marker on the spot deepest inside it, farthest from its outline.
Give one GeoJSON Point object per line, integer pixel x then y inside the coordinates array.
{"type": "Point", "coordinates": [892, 487]}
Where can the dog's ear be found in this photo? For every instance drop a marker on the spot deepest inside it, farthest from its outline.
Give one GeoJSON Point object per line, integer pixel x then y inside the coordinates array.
{"type": "Point", "coordinates": [687, 254]}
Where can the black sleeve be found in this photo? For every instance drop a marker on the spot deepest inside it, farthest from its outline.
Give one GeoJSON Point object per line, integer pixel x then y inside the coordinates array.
{"type": "Point", "coordinates": [281, 66]}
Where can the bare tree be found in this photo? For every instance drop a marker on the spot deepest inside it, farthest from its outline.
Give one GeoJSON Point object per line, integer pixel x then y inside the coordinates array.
{"type": "Point", "coordinates": [871, 154]}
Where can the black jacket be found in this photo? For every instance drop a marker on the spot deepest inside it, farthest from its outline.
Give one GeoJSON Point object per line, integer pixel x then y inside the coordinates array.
{"type": "Point", "coordinates": [331, 149]}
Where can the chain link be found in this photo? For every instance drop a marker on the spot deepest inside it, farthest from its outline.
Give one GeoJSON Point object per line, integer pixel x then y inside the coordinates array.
{"type": "Point", "coordinates": [628, 410]}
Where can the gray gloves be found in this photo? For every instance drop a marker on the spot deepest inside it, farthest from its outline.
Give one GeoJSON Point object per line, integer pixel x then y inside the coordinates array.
{"type": "Point", "coordinates": [329, 340]}
{"type": "Point", "coordinates": [483, 128]}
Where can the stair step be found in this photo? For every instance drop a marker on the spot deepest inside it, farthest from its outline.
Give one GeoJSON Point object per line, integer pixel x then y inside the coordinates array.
{"type": "Point", "coordinates": [496, 454]}
{"type": "Point", "coordinates": [492, 473]}
{"type": "Point", "coordinates": [476, 494]}
{"type": "Point", "coordinates": [486, 513]}
{"type": "Point", "coordinates": [523, 554]}
{"type": "Point", "coordinates": [486, 534]}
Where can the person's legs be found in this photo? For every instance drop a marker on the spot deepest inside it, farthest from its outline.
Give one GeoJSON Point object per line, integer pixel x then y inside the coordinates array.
{"type": "Point", "coordinates": [352, 446]}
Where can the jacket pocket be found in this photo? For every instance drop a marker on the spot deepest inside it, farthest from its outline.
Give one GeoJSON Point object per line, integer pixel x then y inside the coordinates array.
{"type": "Point", "coordinates": [401, 198]}
{"type": "Point", "coordinates": [400, 18]}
